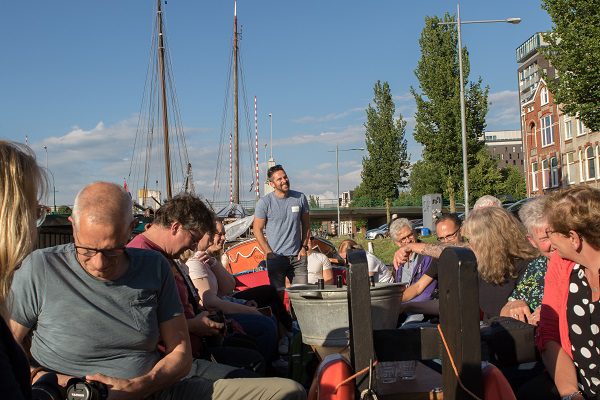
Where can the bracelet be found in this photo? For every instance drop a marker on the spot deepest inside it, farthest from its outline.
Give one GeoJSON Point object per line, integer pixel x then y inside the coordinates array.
{"type": "Point", "coordinates": [573, 396]}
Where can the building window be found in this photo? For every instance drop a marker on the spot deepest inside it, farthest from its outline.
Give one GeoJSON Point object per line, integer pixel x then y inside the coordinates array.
{"type": "Point", "coordinates": [554, 172]}
{"type": "Point", "coordinates": [568, 130]}
{"type": "Point", "coordinates": [580, 128]}
{"type": "Point", "coordinates": [547, 130]}
{"type": "Point", "coordinates": [571, 167]}
{"type": "Point", "coordinates": [544, 96]}
{"type": "Point", "coordinates": [510, 156]}
{"type": "Point", "coordinates": [534, 173]}
{"type": "Point", "coordinates": [581, 162]}
{"type": "Point", "coordinates": [545, 174]}
{"type": "Point", "coordinates": [591, 163]}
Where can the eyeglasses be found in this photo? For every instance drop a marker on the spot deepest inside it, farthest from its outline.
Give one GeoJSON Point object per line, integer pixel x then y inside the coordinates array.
{"type": "Point", "coordinates": [448, 237]}
{"type": "Point", "coordinates": [41, 213]}
{"type": "Point", "coordinates": [194, 235]}
{"type": "Point", "coordinates": [406, 237]}
{"type": "Point", "coordinates": [91, 252]}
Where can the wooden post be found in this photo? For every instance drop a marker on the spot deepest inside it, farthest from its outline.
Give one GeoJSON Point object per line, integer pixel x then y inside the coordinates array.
{"type": "Point", "coordinates": [359, 306]}
{"type": "Point", "coordinates": [459, 320]}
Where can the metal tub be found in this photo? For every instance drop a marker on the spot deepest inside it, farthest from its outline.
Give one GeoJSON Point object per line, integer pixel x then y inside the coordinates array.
{"type": "Point", "coordinates": [323, 313]}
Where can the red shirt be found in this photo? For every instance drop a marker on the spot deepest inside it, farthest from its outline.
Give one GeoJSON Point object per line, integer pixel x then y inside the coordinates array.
{"type": "Point", "coordinates": [553, 325]}
{"type": "Point", "coordinates": [142, 242]}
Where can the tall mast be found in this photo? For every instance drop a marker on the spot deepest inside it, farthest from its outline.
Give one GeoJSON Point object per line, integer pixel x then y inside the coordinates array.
{"type": "Point", "coordinates": [236, 150]}
{"type": "Point", "coordinates": [163, 87]}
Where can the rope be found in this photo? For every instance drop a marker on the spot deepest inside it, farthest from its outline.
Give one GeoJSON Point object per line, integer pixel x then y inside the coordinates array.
{"type": "Point", "coordinates": [454, 365]}
{"type": "Point", "coordinates": [352, 377]}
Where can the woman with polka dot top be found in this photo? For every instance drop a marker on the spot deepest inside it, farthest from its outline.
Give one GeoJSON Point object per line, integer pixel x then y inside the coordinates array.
{"type": "Point", "coordinates": [567, 334]}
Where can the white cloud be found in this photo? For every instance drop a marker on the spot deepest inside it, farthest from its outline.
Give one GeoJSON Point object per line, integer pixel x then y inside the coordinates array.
{"type": "Point", "coordinates": [350, 134]}
{"type": "Point", "coordinates": [503, 110]}
{"type": "Point", "coordinates": [328, 117]}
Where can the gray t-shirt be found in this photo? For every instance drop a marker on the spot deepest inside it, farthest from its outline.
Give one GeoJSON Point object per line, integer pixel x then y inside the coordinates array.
{"type": "Point", "coordinates": [284, 221]}
{"type": "Point", "coordinates": [86, 325]}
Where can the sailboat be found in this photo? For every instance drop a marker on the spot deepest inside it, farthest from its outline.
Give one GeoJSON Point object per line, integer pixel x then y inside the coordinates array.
{"type": "Point", "coordinates": [159, 164]}
{"type": "Point", "coordinates": [244, 257]}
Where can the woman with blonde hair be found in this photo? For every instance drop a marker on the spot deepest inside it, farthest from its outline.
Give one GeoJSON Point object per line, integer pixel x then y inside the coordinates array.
{"type": "Point", "coordinates": [22, 182]}
{"type": "Point", "coordinates": [503, 251]}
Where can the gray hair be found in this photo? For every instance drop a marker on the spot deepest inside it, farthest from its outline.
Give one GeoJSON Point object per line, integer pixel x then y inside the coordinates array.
{"type": "Point", "coordinates": [103, 203]}
{"type": "Point", "coordinates": [532, 215]}
{"type": "Point", "coordinates": [397, 225]}
{"type": "Point", "coordinates": [487, 201]}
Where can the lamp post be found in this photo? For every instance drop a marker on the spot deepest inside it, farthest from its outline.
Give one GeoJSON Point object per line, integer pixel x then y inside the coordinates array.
{"type": "Point", "coordinates": [337, 171]}
{"type": "Point", "coordinates": [463, 123]}
{"type": "Point", "coordinates": [53, 181]}
{"type": "Point", "coordinates": [271, 128]}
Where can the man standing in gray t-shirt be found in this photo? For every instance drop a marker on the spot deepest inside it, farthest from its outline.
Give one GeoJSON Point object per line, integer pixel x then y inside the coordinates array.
{"type": "Point", "coordinates": [284, 212]}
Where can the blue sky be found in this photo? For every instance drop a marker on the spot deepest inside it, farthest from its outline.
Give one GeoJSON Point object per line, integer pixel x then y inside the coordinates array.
{"type": "Point", "coordinates": [73, 74]}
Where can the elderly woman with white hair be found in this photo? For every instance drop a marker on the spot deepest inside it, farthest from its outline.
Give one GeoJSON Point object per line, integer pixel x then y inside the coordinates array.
{"type": "Point", "coordinates": [526, 299]}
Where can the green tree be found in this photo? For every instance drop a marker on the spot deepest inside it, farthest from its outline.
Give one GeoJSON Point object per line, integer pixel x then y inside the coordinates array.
{"type": "Point", "coordinates": [574, 50]}
{"type": "Point", "coordinates": [485, 177]}
{"type": "Point", "coordinates": [425, 178]}
{"type": "Point", "coordinates": [313, 201]}
{"type": "Point", "coordinates": [513, 183]}
{"type": "Point", "coordinates": [385, 168]}
{"type": "Point", "coordinates": [438, 125]}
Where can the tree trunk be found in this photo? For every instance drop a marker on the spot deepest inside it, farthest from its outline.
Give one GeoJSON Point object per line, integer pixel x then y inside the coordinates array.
{"type": "Point", "coordinates": [388, 214]}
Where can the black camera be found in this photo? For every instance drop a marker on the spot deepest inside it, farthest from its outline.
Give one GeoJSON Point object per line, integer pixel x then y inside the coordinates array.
{"type": "Point", "coordinates": [47, 388]}
{"type": "Point", "coordinates": [80, 389]}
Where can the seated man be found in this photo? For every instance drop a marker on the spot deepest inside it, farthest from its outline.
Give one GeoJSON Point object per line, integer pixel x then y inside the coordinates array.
{"type": "Point", "coordinates": [447, 230]}
{"type": "Point", "coordinates": [99, 309]}
{"type": "Point", "coordinates": [416, 265]}
{"type": "Point", "coordinates": [179, 225]}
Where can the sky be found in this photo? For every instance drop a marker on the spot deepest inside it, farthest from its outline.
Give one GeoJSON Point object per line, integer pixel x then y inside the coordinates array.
{"type": "Point", "coordinates": [73, 74]}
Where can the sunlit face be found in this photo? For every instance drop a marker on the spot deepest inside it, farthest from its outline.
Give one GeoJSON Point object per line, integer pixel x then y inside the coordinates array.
{"type": "Point", "coordinates": [562, 243]}
{"type": "Point", "coordinates": [219, 237]}
{"type": "Point", "coordinates": [405, 235]}
{"type": "Point", "coordinates": [184, 239]}
{"type": "Point", "coordinates": [448, 232]}
{"type": "Point", "coordinates": [101, 251]}
{"type": "Point", "coordinates": [540, 240]}
{"type": "Point", "coordinates": [280, 182]}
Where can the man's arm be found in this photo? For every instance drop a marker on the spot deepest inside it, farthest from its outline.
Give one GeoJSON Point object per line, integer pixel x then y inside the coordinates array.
{"type": "Point", "coordinates": [257, 228]}
{"type": "Point", "coordinates": [427, 249]}
{"type": "Point", "coordinates": [19, 333]}
{"type": "Point", "coordinates": [305, 234]}
{"type": "Point", "coordinates": [176, 364]}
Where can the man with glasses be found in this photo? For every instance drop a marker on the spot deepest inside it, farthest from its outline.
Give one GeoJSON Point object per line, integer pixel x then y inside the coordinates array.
{"type": "Point", "coordinates": [99, 310]}
{"type": "Point", "coordinates": [447, 229]}
{"type": "Point", "coordinates": [416, 265]}
{"type": "Point", "coordinates": [284, 213]}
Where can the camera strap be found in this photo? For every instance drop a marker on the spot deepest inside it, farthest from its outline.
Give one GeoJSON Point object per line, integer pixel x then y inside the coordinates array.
{"type": "Point", "coordinates": [191, 289]}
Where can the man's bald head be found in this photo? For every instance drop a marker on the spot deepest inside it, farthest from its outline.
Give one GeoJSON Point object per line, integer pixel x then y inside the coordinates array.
{"type": "Point", "coordinates": [103, 203]}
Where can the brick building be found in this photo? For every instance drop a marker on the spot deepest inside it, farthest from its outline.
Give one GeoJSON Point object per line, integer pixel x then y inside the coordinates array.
{"type": "Point", "coordinates": [558, 149]}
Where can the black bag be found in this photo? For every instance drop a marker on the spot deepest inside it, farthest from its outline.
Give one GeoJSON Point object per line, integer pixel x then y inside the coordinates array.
{"type": "Point", "coordinates": [507, 341]}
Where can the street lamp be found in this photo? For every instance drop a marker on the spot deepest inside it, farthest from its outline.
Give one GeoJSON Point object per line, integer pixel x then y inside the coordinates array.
{"type": "Point", "coordinates": [337, 170]}
{"type": "Point", "coordinates": [53, 181]}
{"type": "Point", "coordinates": [271, 126]}
{"type": "Point", "coordinates": [463, 123]}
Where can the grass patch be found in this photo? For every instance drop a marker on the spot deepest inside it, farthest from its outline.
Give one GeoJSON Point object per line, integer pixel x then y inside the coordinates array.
{"type": "Point", "coordinates": [384, 248]}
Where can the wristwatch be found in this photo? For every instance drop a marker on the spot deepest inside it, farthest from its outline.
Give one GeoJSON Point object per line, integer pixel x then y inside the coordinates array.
{"type": "Point", "coordinates": [305, 247]}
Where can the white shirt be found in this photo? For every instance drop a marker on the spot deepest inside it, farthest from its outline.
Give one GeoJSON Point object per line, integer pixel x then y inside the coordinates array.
{"type": "Point", "coordinates": [317, 263]}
